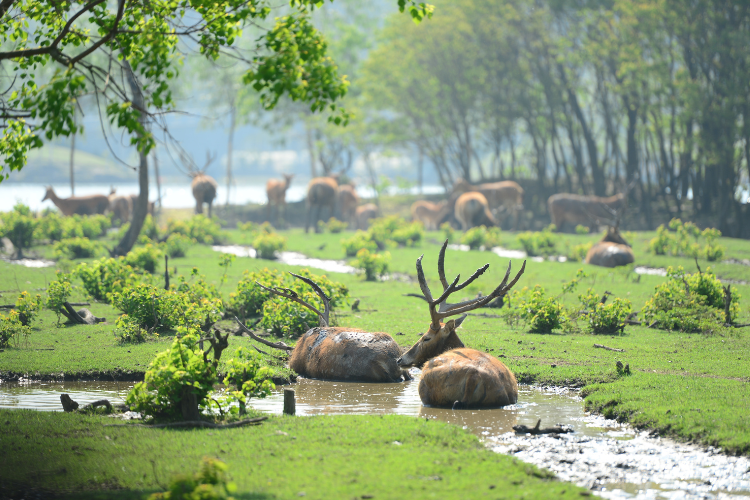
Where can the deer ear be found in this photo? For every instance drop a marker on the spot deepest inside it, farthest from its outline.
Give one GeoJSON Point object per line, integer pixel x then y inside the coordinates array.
{"type": "Point", "coordinates": [460, 320]}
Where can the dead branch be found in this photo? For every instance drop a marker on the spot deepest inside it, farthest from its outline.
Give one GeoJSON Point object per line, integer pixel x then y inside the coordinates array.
{"type": "Point", "coordinates": [196, 424]}
{"type": "Point", "coordinates": [275, 345]}
{"type": "Point", "coordinates": [600, 346]}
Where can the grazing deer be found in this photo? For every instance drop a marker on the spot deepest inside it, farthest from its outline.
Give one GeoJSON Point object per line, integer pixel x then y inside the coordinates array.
{"type": "Point", "coordinates": [364, 213]}
{"type": "Point", "coordinates": [347, 201]}
{"type": "Point", "coordinates": [321, 192]}
{"type": "Point", "coordinates": [337, 353]}
{"type": "Point", "coordinates": [472, 210]}
{"type": "Point", "coordinates": [453, 375]}
{"type": "Point", "coordinates": [584, 210]}
{"type": "Point", "coordinates": [504, 196]}
{"type": "Point", "coordinates": [81, 205]}
{"type": "Point", "coordinates": [428, 213]}
{"type": "Point", "coordinates": [276, 192]}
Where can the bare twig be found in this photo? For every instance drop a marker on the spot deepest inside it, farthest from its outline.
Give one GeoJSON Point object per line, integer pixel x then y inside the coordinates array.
{"type": "Point", "coordinates": [275, 345]}
{"type": "Point", "coordinates": [600, 346]}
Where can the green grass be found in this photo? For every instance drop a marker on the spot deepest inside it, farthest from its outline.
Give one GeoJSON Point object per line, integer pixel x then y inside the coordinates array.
{"type": "Point", "coordinates": [322, 457]}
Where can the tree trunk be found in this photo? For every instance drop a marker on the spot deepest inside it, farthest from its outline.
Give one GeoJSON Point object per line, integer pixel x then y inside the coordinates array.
{"type": "Point", "coordinates": [232, 125]}
{"type": "Point", "coordinates": [311, 150]}
{"type": "Point", "coordinates": [189, 405]}
{"type": "Point", "coordinates": [158, 179]}
{"type": "Point", "coordinates": [140, 210]}
{"type": "Point", "coordinates": [72, 158]}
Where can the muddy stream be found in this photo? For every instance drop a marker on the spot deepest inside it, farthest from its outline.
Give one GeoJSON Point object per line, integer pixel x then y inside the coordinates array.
{"type": "Point", "coordinates": [613, 460]}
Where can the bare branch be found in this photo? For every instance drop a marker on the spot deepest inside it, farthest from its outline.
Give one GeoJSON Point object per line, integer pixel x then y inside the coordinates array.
{"type": "Point", "coordinates": [275, 345]}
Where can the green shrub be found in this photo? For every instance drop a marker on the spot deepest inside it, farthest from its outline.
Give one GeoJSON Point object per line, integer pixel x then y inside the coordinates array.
{"type": "Point", "coordinates": [269, 244]}
{"type": "Point", "coordinates": [27, 307]}
{"type": "Point", "coordinates": [146, 257]}
{"type": "Point", "coordinates": [689, 302]}
{"type": "Point", "coordinates": [210, 483]}
{"type": "Point", "coordinates": [199, 228]}
{"type": "Point", "coordinates": [683, 239]}
{"type": "Point", "coordinates": [105, 276]}
{"type": "Point", "coordinates": [177, 245]}
{"type": "Point", "coordinates": [249, 298]}
{"type": "Point", "coordinates": [579, 252]}
{"type": "Point", "coordinates": [480, 236]}
{"type": "Point", "coordinates": [542, 242]}
{"type": "Point", "coordinates": [409, 234]}
{"type": "Point", "coordinates": [128, 331]}
{"type": "Point", "coordinates": [11, 329]}
{"type": "Point", "coordinates": [19, 227]}
{"type": "Point", "coordinates": [283, 317]}
{"type": "Point", "coordinates": [77, 248]}
{"type": "Point", "coordinates": [360, 240]}
{"type": "Point", "coordinates": [372, 265]}
{"type": "Point", "coordinates": [395, 230]}
{"type": "Point", "coordinates": [335, 226]}
{"type": "Point", "coordinates": [581, 229]}
{"type": "Point", "coordinates": [607, 318]}
{"type": "Point", "coordinates": [50, 227]}
{"type": "Point", "coordinates": [541, 313]}
{"type": "Point", "coordinates": [246, 377]}
{"type": "Point", "coordinates": [448, 232]}
{"type": "Point", "coordinates": [58, 293]}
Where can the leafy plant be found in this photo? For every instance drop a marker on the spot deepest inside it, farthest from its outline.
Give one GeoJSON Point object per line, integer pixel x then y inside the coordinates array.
{"type": "Point", "coordinates": [480, 236]}
{"type": "Point", "coordinates": [541, 313]}
{"type": "Point", "coordinates": [18, 226]}
{"type": "Point", "coordinates": [542, 242]}
{"type": "Point", "coordinates": [58, 293]}
{"type": "Point", "coordinates": [106, 276]}
{"type": "Point", "coordinates": [77, 248]}
{"type": "Point", "coordinates": [683, 239]}
{"type": "Point", "coordinates": [360, 240]}
{"type": "Point", "coordinates": [177, 245]}
{"type": "Point", "coordinates": [50, 227]}
{"type": "Point", "coordinates": [448, 232]}
{"type": "Point", "coordinates": [605, 318]}
{"type": "Point", "coordinates": [128, 331]}
{"type": "Point", "coordinates": [581, 229]}
{"type": "Point", "coordinates": [226, 260]}
{"type": "Point", "coordinates": [146, 257]}
{"type": "Point", "coordinates": [210, 483]}
{"type": "Point", "coordinates": [199, 228]}
{"type": "Point", "coordinates": [372, 265]}
{"type": "Point", "coordinates": [246, 378]}
{"type": "Point", "coordinates": [269, 244]}
{"type": "Point", "coordinates": [579, 252]}
{"type": "Point", "coordinates": [335, 226]}
{"type": "Point", "coordinates": [27, 307]}
{"type": "Point", "coordinates": [11, 329]}
{"type": "Point", "coordinates": [249, 298]}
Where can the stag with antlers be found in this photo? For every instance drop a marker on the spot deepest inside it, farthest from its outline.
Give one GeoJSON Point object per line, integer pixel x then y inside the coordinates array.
{"type": "Point", "coordinates": [613, 250]}
{"type": "Point", "coordinates": [337, 353]}
{"type": "Point", "coordinates": [453, 375]}
{"type": "Point", "coordinates": [204, 186]}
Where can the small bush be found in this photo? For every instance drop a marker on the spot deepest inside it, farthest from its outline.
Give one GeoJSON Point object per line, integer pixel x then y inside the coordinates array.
{"type": "Point", "coordinates": [177, 245]}
{"type": "Point", "coordinates": [58, 293]}
{"type": "Point", "coordinates": [146, 257]}
{"type": "Point", "coordinates": [448, 232]}
{"type": "Point", "coordinates": [689, 302]}
{"type": "Point", "coordinates": [480, 236]}
{"type": "Point", "coordinates": [27, 307]}
{"type": "Point", "coordinates": [210, 483]}
{"type": "Point", "coordinates": [409, 234]}
{"type": "Point", "coordinates": [128, 331]}
{"type": "Point", "coordinates": [335, 226]}
{"type": "Point", "coordinates": [543, 242]}
{"type": "Point", "coordinates": [579, 252]}
{"type": "Point", "coordinates": [360, 240]}
{"type": "Point", "coordinates": [19, 227]}
{"type": "Point", "coordinates": [608, 318]}
{"type": "Point", "coordinates": [249, 298]}
{"type": "Point", "coordinates": [106, 276]}
{"type": "Point", "coordinates": [11, 329]}
{"type": "Point", "coordinates": [269, 244]}
{"type": "Point", "coordinates": [246, 378]}
{"type": "Point", "coordinates": [684, 239]}
{"type": "Point", "coordinates": [581, 229]}
{"type": "Point", "coordinates": [199, 228]}
{"type": "Point", "coordinates": [50, 227]}
{"type": "Point", "coordinates": [373, 265]}
{"type": "Point", "coordinates": [77, 248]}
{"type": "Point", "coordinates": [385, 230]}
{"type": "Point", "coordinates": [541, 313]}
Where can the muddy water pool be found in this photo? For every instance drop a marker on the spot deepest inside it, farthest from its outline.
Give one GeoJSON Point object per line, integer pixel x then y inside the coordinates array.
{"type": "Point", "coordinates": [613, 460]}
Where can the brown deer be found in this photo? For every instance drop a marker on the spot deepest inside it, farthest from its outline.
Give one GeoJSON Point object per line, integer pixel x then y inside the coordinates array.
{"type": "Point", "coordinates": [119, 206]}
{"type": "Point", "coordinates": [81, 205]}
{"type": "Point", "coordinates": [276, 192]}
{"type": "Point", "coordinates": [583, 210]}
{"type": "Point", "coordinates": [347, 201]}
{"type": "Point", "coordinates": [453, 375]}
{"type": "Point", "coordinates": [321, 192]}
{"type": "Point", "coordinates": [428, 213]}
{"type": "Point", "coordinates": [204, 191]}
{"type": "Point", "coordinates": [472, 210]}
{"type": "Point", "coordinates": [504, 196]}
{"type": "Point", "coordinates": [337, 353]}
{"type": "Point", "coordinates": [364, 213]}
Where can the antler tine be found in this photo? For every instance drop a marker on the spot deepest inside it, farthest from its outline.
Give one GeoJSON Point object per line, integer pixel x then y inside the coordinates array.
{"type": "Point", "coordinates": [325, 298]}
{"type": "Point", "coordinates": [322, 318]}
{"type": "Point", "coordinates": [474, 276]}
{"type": "Point", "coordinates": [448, 290]}
{"type": "Point", "coordinates": [422, 282]}
{"type": "Point", "coordinates": [441, 265]}
{"type": "Point", "coordinates": [470, 305]}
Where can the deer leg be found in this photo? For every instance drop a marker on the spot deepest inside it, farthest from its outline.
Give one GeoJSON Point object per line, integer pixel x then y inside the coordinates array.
{"type": "Point", "coordinates": [318, 210]}
{"type": "Point", "coordinates": [210, 204]}
{"type": "Point", "coordinates": [307, 219]}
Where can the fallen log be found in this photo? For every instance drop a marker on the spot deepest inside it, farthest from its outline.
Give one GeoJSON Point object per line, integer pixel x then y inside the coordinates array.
{"type": "Point", "coordinates": [80, 317]}
{"type": "Point", "coordinates": [196, 424]}
{"type": "Point", "coordinates": [559, 429]}
{"type": "Point", "coordinates": [600, 346]}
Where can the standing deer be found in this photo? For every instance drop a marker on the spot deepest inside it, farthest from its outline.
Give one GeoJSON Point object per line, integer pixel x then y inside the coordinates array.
{"type": "Point", "coordinates": [204, 191]}
{"type": "Point", "coordinates": [472, 210]}
{"type": "Point", "coordinates": [120, 206]}
{"type": "Point", "coordinates": [337, 353]}
{"type": "Point", "coordinates": [364, 213]}
{"type": "Point", "coordinates": [428, 213]}
{"type": "Point", "coordinates": [453, 375]}
{"type": "Point", "coordinates": [276, 192]}
{"type": "Point", "coordinates": [81, 205]}
{"type": "Point", "coordinates": [584, 210]}
{"type": "Point", "coordinates": [347, 201]}
{"type": "Point", "coordinates": [321, 192]}
{"type": "Point", "coordinates": [504, 196]}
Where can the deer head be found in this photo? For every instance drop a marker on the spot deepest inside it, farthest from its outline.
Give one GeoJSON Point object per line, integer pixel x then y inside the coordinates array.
{"type": "Point", "coordinates": [613, 236]}
{"type": "Point", "coordinates": [288, 178]}
{"type": "Point", "coordinates": [49, 194]}
{"type": "Point", "coordinates": [441, 337]}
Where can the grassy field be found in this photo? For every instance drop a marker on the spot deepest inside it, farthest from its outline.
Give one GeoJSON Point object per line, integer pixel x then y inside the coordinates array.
{"type": "Point", "coordinates": [689, 386]}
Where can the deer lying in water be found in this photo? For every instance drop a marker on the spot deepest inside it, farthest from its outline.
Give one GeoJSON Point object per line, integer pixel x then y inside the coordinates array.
{"type": "Point", "coordinates": [472, 210]}
{"type": "Point", "coordinates": [453, 375]}
{"type": "Point", "coordinates": [337, 353]}
{"type": "Point", "coordinates": [81, 205]}
{"type": "Point", "coordinates": [612, 251]}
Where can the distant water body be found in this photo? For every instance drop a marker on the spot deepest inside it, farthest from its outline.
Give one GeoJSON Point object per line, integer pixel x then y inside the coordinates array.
{"type": "Point", "coordinates": [173, 196]}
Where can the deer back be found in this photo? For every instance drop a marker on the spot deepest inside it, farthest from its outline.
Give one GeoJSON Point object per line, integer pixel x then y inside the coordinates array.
{"type": "Point", "coordinates": [333, 353]}
{"type": "Point", "coordinates": [609, 254]}
{"type": "Point", "coordinates": [364, 214]}
{"type": "Point", "coordinates": [322, 191]}
{"type": "Point", "coordinates": [472, 209]}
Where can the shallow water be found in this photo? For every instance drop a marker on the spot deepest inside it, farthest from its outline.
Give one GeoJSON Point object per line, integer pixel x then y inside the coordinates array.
{"type": "Point", "coordinates": [612, 459]}
{"type": "Point", "coordinates": [291, 258]}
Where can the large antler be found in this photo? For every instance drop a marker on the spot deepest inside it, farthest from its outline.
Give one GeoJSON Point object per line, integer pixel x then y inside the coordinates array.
{"type": "Point", "coordinates": [439, 309]}
{"type": "Point", "coordinates": [292, 295]}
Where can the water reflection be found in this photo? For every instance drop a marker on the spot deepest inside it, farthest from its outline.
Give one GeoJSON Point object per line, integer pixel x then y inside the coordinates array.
{"type": "Point", "coordinates": [45, 396]}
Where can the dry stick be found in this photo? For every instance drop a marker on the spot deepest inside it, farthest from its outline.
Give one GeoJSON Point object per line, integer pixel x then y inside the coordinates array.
{"type": "Point", "coordinates": [275, 345]}
{"type": "Point", "coordinates": [195, 423]}
{"type": "Point", "coordinates": [600, 346]}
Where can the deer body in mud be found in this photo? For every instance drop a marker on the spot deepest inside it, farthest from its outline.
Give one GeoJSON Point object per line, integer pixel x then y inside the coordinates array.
{"type": "Point", "coordinates": [472, 210]}
{"type": "Point", "coordinates": [204, 191]}
{"type": "Point", "coordinates": [347, 201]}
{"type": "Point", "coordinates": [81, 205]}
{"type": "Point", "coordinates": [321, 192]}
{"type": "Point", "coordinates": [453, 375]}
{"type": "Point", "coordinates": [276, 192]}
{"type": "Point", "coordinates": [612, 251]}
{"type": "Point", "coordinates": [428, 213]}
{"type": "Point", "coordinates": [364, 214]}
{"type": "Point", "coordinates": [583, 210]}
{"type": "Point", "coordinates": [338, 353]}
